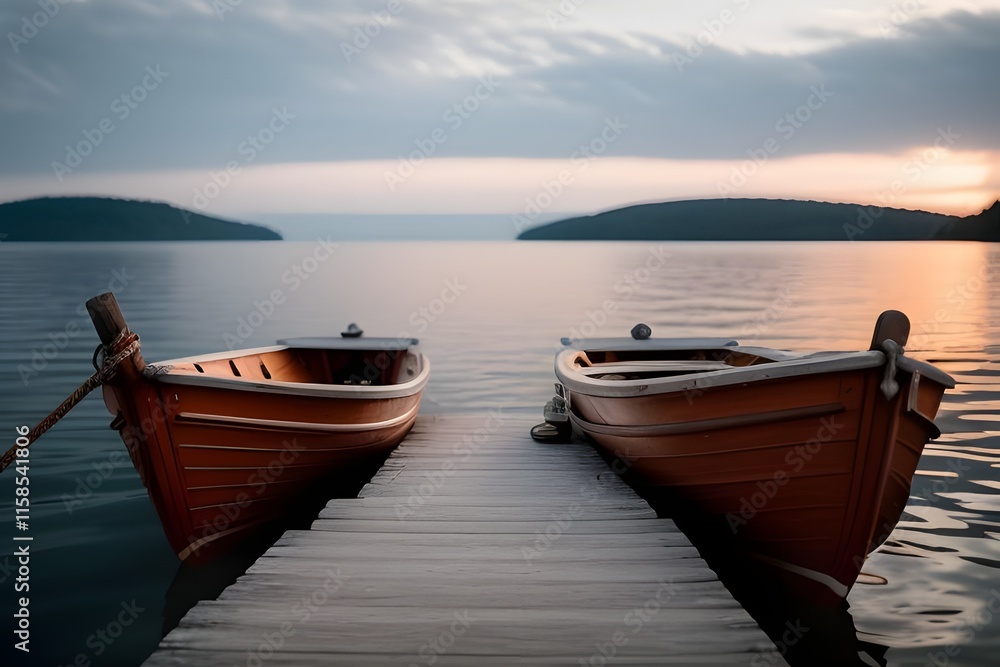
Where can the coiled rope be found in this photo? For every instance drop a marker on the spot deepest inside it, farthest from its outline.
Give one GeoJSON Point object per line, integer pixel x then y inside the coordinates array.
{"type": "Point", "coordinates": [103, 374]}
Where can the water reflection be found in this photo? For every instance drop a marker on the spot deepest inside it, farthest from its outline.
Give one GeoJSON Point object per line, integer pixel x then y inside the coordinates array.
{"type": "Point", "coordinates": [209, 577]}
{"type": "Point", "coordinates": [804, 634]}
{"type": "Point", "coordinates": [492, 347]}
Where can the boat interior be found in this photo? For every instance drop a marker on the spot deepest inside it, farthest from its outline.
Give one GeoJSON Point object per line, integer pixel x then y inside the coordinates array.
{"type": "Point", "coordinates": [358, 367]}
{"type": "Point", "coordinates": [639, 364]}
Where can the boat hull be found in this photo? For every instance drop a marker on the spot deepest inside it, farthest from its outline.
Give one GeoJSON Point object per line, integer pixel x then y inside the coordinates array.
{"type": "Point", "coordinates": [219, 464]}
{"type": "Point", "coordinates": [809, 473]}
{"type": "Point", "coordinates": [228, 443]}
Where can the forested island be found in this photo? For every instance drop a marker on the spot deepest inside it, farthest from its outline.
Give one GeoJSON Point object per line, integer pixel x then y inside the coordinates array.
{"type": "Point", "coordinates": [769, 220]}
{"type": "Point", "coordinates": [106, 219]}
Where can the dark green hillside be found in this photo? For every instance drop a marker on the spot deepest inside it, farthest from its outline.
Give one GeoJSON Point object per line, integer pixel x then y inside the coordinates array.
{"type": "Point", "coordinates": [102, 219]}
{"type": "Point", "coordinates": [769, 220]}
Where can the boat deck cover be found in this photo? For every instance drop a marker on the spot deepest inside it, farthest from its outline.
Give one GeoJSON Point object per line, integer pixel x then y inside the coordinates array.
{"type": "Point", "coordinates": [338, 343]}
{"type": "Point", "coordinates": [607, 344]}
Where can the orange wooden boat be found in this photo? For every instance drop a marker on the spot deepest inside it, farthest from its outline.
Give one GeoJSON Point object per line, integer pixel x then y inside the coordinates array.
{"type": "Point", "coordinates": [226, 443]}
{"type": "Point", "coordinates": [807, 458]}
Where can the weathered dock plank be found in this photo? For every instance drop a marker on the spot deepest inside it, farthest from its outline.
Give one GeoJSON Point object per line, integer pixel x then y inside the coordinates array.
{"type": "Point", "coordinates": [475, 545]}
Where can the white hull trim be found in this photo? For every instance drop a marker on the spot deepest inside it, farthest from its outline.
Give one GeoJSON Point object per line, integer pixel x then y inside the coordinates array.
{"type": "Point", "coordinates": [838, 589]}
{"type": "Point", "coordinates": [567, 369]}
{"type": "Point", "coordinates": [278, 425]}
{"type": "Point", "coordinates": [162, 372]}
{"type": "Point", "coordinates": [198, 544]}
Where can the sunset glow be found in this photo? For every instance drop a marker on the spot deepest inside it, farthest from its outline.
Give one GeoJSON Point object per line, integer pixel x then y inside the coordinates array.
{"type": "Point", "coordinates": [952, 182]}
{"type": "Point", "coordinates": [524, 109]}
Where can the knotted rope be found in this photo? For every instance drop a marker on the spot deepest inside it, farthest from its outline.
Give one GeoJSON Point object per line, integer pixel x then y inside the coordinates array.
{"type": "Point", "coordinates": [103, 374]}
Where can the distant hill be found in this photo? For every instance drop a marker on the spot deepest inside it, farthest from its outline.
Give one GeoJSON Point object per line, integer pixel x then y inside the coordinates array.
{"type": "Point", "coordinates": [103, 219]}
{"type": "Point", "coordinates": [982, 227]}
{"type": "Point", "coordinates": [769, 220]}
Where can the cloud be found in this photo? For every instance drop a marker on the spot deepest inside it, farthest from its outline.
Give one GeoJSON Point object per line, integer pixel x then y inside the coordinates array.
{"type": "Point", "coordinates": [557, 87]}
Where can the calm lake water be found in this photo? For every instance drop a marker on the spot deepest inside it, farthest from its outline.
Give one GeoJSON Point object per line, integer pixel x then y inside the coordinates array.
{"type": "Point", "coordinates": [489, 316]}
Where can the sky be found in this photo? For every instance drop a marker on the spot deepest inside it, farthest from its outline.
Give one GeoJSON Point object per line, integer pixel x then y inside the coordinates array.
{"type": "Point", "coordinates": [520, 111]}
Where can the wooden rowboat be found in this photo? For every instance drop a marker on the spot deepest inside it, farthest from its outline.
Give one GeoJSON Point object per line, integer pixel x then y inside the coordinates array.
{"type": "Point", "coordinates": [806, 459]}
{"type": "Point", "coordinates": [226, 443]}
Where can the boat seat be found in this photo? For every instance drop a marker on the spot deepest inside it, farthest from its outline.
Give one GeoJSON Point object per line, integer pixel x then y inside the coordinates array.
{"type": "Point", "coordinates": [247, 367]}
{"type": "Point", "coordinates": [286, 366]}
{"type": "Point", "coordinates": [655, 366]}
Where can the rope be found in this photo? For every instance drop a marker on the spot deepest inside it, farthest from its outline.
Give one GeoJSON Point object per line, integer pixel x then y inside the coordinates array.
{"type": "Point", "coordinates": [105, 373]}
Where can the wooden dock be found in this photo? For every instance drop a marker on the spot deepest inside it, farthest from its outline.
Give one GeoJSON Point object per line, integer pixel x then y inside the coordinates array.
{"type": "Point", "coordinates": [474, 545]}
